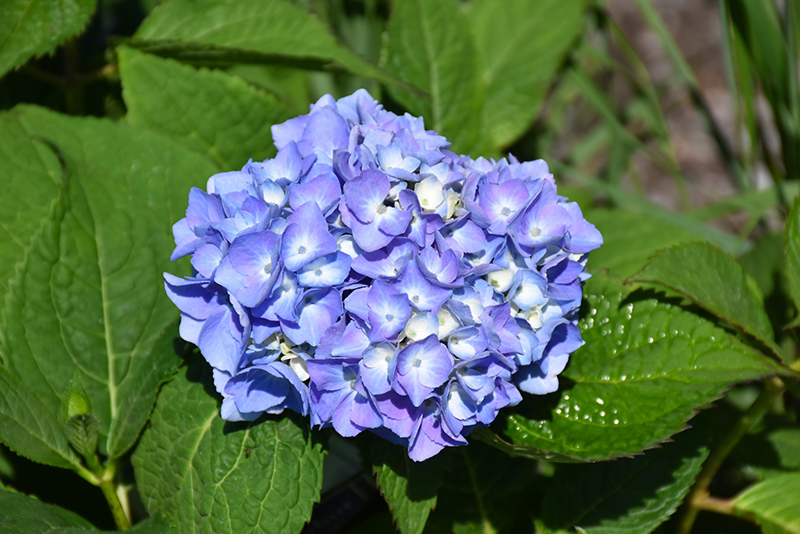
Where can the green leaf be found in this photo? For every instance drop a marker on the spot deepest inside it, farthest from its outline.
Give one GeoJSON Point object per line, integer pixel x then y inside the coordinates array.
{"type": "Point", "coordinates": [625, 495]}
{"type": "Point", "coordinates": [7, 470]}
{"type": "Point", "coordinates": [646, 368]}
{"type": "Point", "coordinates": [290, 86]}
{"type": "Point", "coordinates": [213, 113]}
{"type": "Point", "coordinates": [793, 254]}
{"type": "Point", "coordinates": [31, 428]}
{"type": "Point", "coordinates": [89, 296]}
{"type": "Point", "coordinates": [713, 280]}
{"type": "Point", "coordinates": [31, 177]}
{"type": "Point", "coordinates": [774, 501]}
{"type": "Point", "coordinates": [34, 27]}
{"type": "Point", "coordinates": [77, 401]}
{"type": "Point", "coordinates": [485, 491]}
{"type": "Point", "coordinates": [427, 45]}
{"type": "Point", "coordinates": [522, 45]}
{"type": "Point", "coordinates": [410, 488]}
{"type": "Point", "coordinates": [206, 475]}
{"type": "Point", "coordinates": [25, 515]}
{"type": "Point", "coordinates": [630, 239]}
{"type": "Point", "coordinates": [81, 432]}
{"type": "Point", "coordinates": [764, 263]}
{"type": "Point", "coordinates": [771, 451]}
{"type": "Point", "coordinates": [258, 31]}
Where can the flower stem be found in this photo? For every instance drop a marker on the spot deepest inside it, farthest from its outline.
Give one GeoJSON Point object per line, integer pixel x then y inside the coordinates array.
{"type": "Point", "coordinates": [104, 478]}
{"type": "Point", "coordinates": [110, 493]}
{"type": "Point", "coordinates": [698, 498]}
{"type": "Point", "coordinates": [476, 489]}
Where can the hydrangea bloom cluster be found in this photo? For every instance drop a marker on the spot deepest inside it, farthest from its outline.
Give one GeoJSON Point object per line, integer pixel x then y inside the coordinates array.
{"type": "Point", "coordinates": [372, 279]}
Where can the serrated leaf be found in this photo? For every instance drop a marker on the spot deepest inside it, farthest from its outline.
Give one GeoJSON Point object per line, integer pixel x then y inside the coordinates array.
{"type": "Point", "coordinates": [20, 514]}
{"type": "Point", "coordinates": [213, 113]}
{"type": "Point", "coordinates": [630, 239]}
{"type": "Point", "coordinates": [427, 45]}
{"type": "Point", "coordinates": [624, 495]}
{"type": "Point", "coordinates": [81, 431]}
{"type": "Point", "coordinates": [774, 501]}
{"type": "Point", "coordinates": [713, 280]}
{"type": "Point", "coordinates": [206, 475]}
{"type": "Point", "coordinates": [268, 31]}
{"type": "Point", "coordinates": [522, 46]}
{"type": "Point", "coordinates": [485, 491]}
{"type": "Point", "coordinates": [29, 427]}
{"type": "Point", "coordinates": [646, 368]}
{"type": "Point", "coordinates": [25, 515]}
{"type": "Point", "coordinates": [89, 295]}
{"type": "Point", "coordinates": [34, 27]}
{"type": "Point", "coordinates": [410, 488]}
{"type": "Point", "coordinates": [793, 254]}
{"type": "Point", "coordinates": [31, 177]}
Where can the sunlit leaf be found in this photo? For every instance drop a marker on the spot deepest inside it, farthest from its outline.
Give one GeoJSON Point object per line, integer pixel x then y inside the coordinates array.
{"type": "Point", "coordinates": [89, 295]}
{"type": "Point", "coordinates": [210, 112]}
{"type": "Point", "coordinates": [206, 475]}
{"type": "Point", "coordinates": [646, 368]}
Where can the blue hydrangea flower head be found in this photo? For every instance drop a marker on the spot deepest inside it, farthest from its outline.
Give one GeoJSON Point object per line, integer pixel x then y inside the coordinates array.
{"type": "Point", "coordinates": [370, 278]}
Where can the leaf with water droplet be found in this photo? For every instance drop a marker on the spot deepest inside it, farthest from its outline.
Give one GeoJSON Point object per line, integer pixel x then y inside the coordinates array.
{"type": "Point", "coordinates": [713, 280]}
{"type": "Point", "coordinates": [673, 361]}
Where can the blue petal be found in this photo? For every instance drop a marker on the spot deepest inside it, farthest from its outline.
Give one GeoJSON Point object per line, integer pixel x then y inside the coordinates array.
{"type": "Point", "coordinates": [326, 271]}
{"type": "Point", "coordinates": [323, 189]}
{"type": "Point", "coordinates": [306, 237]}
{"type": "Point", "coordinates": [420, 292]}
{"type": "Point", "coordinates": [365, 195]}
{"type": "Point", "coordinates": [389, 312]}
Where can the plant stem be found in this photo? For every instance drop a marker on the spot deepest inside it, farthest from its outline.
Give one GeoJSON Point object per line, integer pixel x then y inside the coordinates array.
{"type": "Point", "coordinates": [110, 493]}
{"type": "Point", "coordinates": [73, 92]}
{"type": "Point", "coordinates": [476, 488]}
{"type": "Point", "coordinates": [724, 507]}
{"type": "Point", "coordinates": [699, 493]}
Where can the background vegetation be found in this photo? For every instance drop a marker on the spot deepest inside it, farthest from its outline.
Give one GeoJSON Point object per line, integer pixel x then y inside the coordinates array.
{"type": "Point", "coordinates": [112, 110]}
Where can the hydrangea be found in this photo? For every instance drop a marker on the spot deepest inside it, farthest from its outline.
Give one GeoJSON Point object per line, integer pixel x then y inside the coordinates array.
{"type": "Point", "coordinates": [374, 280]}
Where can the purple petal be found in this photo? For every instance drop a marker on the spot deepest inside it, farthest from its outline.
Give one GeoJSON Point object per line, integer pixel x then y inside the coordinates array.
{"type": "Point", "coordinates": [306, 237]}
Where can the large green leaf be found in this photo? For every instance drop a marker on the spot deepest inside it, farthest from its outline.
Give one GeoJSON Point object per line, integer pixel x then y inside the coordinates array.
{"type": "Point", "coordinates": [206, 475]}
{"type": "Point", "coordinates": [270, 31]}
{"type": "Point", "coordinates": [774, 501]}
{"type": "Point", "coordinates": [89, 296]}
{"type": "Point", "coordinates": [793, 254]}
{"type": "Point", "coordinates": [213, 113]}
{"type": "Point", "coordinates": [25, 515]}
{"type": "Point", "coordinates": [35, 27]}
{"type": "Point", "coordinates": [410, 488]}
{"type": "Point", "coordinates": [713, 280]}
{"type": "Point", "coordinates": [646, 368]}
{"type": "Point", "coordinates": [625, 495]}
{"type": "Point", "coordinates": [20, 514]}
{"type": "Point", "coordinates": [427, 45]}
{"type": "Point", "coordinates": [631, 238]}
{"type": "Point", "coordinates": [31, 428]}
{"type": "Point", "coordinates": [31, 176]}
{"type": "Point", "coordinates": [522, 45]}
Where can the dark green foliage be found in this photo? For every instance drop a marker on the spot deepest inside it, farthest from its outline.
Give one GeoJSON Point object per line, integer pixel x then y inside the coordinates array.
{"type": "Point", "coordinates": [677, 314]}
